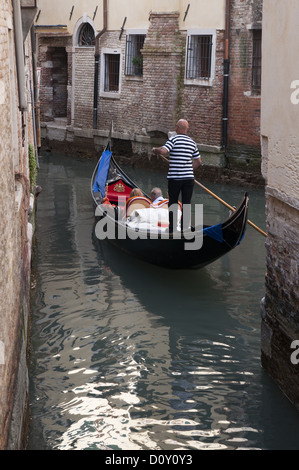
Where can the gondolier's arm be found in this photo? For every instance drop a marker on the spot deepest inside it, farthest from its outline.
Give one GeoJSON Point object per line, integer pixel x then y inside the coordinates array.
{"type": "Point", "coordinates": [160, 151]}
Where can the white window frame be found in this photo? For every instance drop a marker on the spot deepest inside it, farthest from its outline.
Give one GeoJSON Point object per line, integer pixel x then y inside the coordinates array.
{"type": "Point", "coordinates": [202, 32]}
{"type": "Point", "coordinates": [110, 94]}
{"type": "Point", "coordinates": [133, 32]}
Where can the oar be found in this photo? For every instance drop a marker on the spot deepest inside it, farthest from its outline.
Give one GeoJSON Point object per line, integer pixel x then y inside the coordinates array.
{"type": "Point", "coordinates": [230, 207]}
{"type": "Point", "coordinates": [223, 202]}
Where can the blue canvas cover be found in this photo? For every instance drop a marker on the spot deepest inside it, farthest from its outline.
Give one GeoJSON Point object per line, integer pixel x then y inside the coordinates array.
{"type": "Point", "coordinates": [100, 181]}
{"type": "Point", "coordinates": [214, 232]}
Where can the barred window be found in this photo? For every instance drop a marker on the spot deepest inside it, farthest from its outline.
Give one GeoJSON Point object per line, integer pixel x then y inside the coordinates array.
{"type": "Point", "coordinates": [199, 57]}
{"type": "Point", "coordinates": [86, 35]}
{"type": "Point", "coordinates": [256, 60]}
{"type": "Point", "coordinates": [134, 59]}
{"type": "Point", "coordinates": [111, 72]}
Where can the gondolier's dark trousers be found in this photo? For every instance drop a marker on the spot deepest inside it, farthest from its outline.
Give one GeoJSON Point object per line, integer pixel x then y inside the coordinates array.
{"type": "Point", "coordinates": [175, 187]}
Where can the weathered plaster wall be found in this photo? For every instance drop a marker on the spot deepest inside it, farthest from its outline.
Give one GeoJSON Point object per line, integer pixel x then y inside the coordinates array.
{"type": "Point", "coordinates": [203, 14]}
{"type": "Point", "coordinates": [280, 108]}
{"type": "Point", "coordinates": [280, 144]}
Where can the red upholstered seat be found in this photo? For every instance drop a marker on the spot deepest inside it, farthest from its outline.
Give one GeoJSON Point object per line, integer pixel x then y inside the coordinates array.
{"type": "Point", "coordinates": [118, 189]}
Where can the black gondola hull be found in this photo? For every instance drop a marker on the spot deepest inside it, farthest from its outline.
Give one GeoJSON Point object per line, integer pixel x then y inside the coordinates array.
{"type": "Point", "coordinates": [194, 250]}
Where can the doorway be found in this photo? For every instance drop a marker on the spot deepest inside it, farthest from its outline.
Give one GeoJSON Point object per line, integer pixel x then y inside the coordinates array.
{"type": "Point", "coordinates": [59, 81]}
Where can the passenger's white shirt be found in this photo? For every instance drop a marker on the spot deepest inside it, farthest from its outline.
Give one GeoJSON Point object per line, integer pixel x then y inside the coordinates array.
{"type": "Point", "coordinates": [158, 199]}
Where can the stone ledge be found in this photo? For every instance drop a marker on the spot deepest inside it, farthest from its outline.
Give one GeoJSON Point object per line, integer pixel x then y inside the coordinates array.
{"type": "Point", "coordinates": [165, 14]}
{"type": "Point", "coordinates": [138, 147]}
{"type": "Point", "coordinates": [158, 52]}
{"type": "Point", "coordinates": [275, 193]}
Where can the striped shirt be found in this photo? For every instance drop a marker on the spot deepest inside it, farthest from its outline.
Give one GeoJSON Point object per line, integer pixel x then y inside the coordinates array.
{"type": "Point", "coordinates": [182, 150]}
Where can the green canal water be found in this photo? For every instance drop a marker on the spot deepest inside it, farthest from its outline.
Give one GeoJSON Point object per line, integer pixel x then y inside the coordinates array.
{"type": "Point", "coordinates": [128, 356]}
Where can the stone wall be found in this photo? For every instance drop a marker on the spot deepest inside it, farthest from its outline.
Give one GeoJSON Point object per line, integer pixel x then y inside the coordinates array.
{"type": "Point", "coordinates": [280, 166]}
{"type": "Point", "coordinates": [55, 61]}
{"type": "Point", "coordinates": [280, 312]}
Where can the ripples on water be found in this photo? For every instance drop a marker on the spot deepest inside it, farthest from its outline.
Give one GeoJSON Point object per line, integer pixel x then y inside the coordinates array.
{"type": "Point", "coordinates": [129, 356]}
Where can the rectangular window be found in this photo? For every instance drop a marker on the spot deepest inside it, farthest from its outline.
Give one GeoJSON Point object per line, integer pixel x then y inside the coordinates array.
{"type": "Point", "coordinates": [134, 59]}
{"type": "Point", "coordinates": [111, 82]}
{"type": "Point", "coordinates": [110, 73]}
{"type": "Point", "coordinates": [256, 60]}
{"type": "Point", "coordinates": [200, 57]}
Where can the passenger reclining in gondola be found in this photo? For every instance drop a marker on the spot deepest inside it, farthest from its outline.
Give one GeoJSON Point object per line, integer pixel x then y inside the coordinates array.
{"type": "Point", "coordinates": [137, 200]}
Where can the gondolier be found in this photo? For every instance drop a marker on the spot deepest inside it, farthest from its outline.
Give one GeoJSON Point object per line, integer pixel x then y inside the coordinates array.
{"type": "Point", "coordinates": [184, 158]}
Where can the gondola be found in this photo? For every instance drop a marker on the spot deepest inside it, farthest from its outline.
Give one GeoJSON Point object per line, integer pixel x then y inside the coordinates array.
{"type": "Point", "coordinates": [125, 223]}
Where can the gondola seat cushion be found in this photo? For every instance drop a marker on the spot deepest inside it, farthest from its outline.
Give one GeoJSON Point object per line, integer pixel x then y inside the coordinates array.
{"type": "Point", "coordinates": [137, 202]}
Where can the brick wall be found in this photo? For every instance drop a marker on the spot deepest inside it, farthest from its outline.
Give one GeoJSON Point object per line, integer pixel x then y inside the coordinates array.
{"type": "Point", "coordinates": [9, 242]}
{"type": "Point", "coordinates": [69, 51]}
{"type": "Point", "coordinates": [55, 60]}
{"type": "Point", "coordinates": [125, 111]}
{"type": "Point", "coordinates": [244, 105]}
{"type": "Point", "coordinates": [84, 86]}
{"type": "Point", "coordinates": [162, 54]}
{"type": "Point", "coordinates": [202, 106]}
{"type": "Point", "coordinates": [60, 80]}
{"type": "Point", "coordinates": [14, 242]}
{"type": "Point", "coordinates": [160, 98]}
{"type": "Point", "coordinates": [46, 88]}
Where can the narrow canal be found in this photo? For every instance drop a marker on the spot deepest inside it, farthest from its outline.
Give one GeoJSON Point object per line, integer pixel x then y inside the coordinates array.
{"type": "Point", "coordinates": [128, 356]}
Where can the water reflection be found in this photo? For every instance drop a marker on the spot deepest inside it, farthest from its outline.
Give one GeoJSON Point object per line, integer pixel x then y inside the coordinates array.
{"type": "Point", "coordinates": [185, 359]}
{"type": "Point", "coordinates": [132, 356]}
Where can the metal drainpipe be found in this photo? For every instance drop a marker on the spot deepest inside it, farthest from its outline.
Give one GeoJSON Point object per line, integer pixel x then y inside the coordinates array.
{"type": "Point", "coordinates": [96, 66]}
{"type": "Point", "coordinates": [226, 67]}
{"type": "Point", "coordinates": [20, 60]}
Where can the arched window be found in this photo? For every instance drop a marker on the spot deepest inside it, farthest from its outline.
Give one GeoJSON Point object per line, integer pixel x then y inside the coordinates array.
{"type": "Point", "coordinates": [86, 35]}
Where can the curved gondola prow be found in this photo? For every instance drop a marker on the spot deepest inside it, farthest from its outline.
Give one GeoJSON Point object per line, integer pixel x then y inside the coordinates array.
{"type": "Point", "coordinates": [245, 217]}
{"type": "Point", "coordinates": [236, 224]}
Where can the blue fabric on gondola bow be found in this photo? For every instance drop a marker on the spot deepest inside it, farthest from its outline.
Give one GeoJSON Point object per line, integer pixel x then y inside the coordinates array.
{"type": "Point", "coordinates": [100, 181]}
{"type": "Point", "coordinates": [214, 232]}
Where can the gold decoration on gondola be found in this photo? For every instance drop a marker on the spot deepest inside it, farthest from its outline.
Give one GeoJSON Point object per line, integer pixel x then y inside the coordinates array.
{"type": "Point", "coordinates": [119, 188]}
